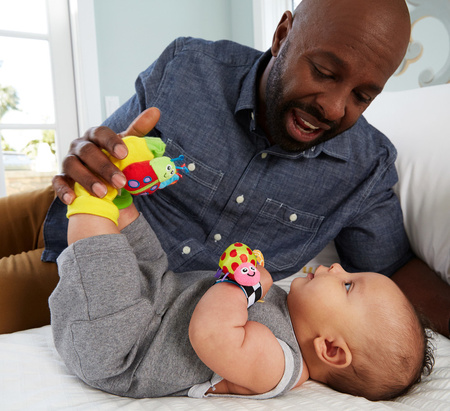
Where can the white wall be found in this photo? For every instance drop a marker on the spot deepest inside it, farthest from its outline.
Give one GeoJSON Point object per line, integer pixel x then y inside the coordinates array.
{"type": "Point", "coordinates": [132, 34]}
{"type": "Point", "coordinates": [432, 30]}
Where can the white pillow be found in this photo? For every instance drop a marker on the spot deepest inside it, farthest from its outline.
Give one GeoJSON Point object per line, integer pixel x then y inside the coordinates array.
{"type": "Point", "coordinates": [417, 122]}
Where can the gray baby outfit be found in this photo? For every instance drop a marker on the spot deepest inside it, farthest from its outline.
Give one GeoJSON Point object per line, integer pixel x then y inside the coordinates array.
{"type": "Point", "coordinates": [120, 318]}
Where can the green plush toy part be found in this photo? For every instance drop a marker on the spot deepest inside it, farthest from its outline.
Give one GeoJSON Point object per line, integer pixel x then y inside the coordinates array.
{"type": "Point", "coordinates": [146, 171]}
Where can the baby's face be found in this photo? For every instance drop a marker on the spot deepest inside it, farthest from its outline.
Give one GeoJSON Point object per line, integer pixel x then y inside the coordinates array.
{"type": "Point", "coordinates": [335, 297]}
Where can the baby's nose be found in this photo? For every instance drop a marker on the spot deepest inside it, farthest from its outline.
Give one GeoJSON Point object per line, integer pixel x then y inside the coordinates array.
{"type": "Point", "coordinates": [336, 268]}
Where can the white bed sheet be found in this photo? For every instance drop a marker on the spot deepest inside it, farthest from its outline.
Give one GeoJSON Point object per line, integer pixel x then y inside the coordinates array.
{"type": "Point", "coordinates": [33, 377]}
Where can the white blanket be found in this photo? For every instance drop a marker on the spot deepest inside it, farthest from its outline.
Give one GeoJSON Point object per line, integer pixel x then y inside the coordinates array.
{"type": "Point", "coordinates": [33, 377]}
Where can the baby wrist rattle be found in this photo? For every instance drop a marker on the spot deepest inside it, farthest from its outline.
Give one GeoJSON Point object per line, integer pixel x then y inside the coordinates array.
{"type": "Point", "coordinates": [238, 266]}
{"type": "Point", "coordinates": [146, 171]}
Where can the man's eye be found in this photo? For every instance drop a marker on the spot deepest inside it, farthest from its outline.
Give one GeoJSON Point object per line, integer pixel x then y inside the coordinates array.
{"type": "Point", "coordinates": [363, 98]}
{"type": "Point", "coordinates": [348, 286]}
{"type": "Point", "coordinates": [319, 71]}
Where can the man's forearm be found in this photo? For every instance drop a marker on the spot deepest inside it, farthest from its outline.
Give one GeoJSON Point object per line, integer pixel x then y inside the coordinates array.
{"type": "Point", "coordinates": [427, 291]}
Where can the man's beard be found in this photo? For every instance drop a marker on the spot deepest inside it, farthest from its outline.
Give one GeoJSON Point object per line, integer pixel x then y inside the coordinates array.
{"type": "Point", "coordinates": [277, 110]}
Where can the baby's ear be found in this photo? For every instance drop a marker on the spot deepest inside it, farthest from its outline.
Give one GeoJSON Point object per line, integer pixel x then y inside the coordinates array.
{"type": "Point", "coordinates": [333, 351]}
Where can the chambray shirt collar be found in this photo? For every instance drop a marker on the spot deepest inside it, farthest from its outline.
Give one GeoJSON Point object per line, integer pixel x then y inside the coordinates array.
{"type": "Point", "coordinates": [338, 147]}
{"type": "Point", "coordinates": [248, 95]}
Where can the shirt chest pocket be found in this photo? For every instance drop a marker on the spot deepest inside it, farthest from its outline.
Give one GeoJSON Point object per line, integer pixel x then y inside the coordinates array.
{"type": "Point", "coordinates": [194, 191]}
{"type": "Point", "coordinates": [282, 233]}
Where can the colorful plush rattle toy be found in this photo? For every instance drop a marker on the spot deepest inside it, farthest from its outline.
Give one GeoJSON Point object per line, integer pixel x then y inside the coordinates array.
{"type": "Point", "coordinates": [238, 266]}
{"type": "Point", "coordinates": [146, 171]}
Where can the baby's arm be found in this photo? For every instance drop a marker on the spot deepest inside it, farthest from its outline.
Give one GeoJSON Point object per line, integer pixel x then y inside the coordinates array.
{"type": "Point", "coordinates": [245, 353]}
{"type": "Point", "coordinates": [88, 225]}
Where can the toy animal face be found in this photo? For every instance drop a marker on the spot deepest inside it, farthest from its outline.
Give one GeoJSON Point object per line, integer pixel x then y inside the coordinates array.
{"type": "Point", "coordinates": [163, 167]}
{"type": "Point", "coordinates": [247, 274]}
{"type": "Point", "coordinates": [239, 262]}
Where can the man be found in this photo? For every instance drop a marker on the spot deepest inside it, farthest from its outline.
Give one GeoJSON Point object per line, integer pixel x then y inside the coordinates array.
{"type": "Point", "coordinates": [279, 155]}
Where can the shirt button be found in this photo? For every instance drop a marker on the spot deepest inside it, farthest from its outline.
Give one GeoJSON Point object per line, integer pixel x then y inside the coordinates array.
{"type": "Point", "coordinates": [293, 217]}
{"type": "Point", "coordinates": [186, 250]}
{"type": "Point", "coordinates": [240, 199]}
{"type": "Point", "coordinates": [191, 167]}
{"type": "Point", "coordinates": [217, 237]}
{"type": "Point", "coordinates": [264, 155]}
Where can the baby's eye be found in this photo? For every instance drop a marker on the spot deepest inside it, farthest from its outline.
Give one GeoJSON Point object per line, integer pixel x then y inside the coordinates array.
{"type": "Point", "coordinates": [348, 286]}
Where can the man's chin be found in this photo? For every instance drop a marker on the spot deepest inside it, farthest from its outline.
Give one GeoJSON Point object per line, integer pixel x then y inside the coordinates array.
{"type": "Point", "coordinates": [288, 143]}
{"type": "Point", "coordinates": [292, 145]}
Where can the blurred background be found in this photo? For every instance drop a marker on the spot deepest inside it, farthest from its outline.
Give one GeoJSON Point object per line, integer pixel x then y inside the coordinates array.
{"type": "Point", "coordinates": [65, 65]}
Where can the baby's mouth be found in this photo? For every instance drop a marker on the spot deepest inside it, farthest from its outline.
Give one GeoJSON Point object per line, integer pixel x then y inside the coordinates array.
{"type": "Point", "coordinates": [310, 276]}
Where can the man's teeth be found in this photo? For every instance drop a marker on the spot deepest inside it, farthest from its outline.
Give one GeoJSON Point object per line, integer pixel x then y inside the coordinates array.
{"type": "Point", "coordinates": [309, 125]}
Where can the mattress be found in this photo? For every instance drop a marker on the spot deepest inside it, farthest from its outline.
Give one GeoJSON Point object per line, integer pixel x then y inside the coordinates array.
{"type": "Point", "coordinates": [33, 377]}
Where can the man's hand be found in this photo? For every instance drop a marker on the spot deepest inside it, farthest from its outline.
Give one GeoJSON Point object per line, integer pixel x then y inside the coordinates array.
{"type": "Point", "coordinates": [88, 165]}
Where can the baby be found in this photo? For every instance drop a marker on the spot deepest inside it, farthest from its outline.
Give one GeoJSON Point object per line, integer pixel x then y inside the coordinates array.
{"type": "Point", "coordinates": [126, 324]}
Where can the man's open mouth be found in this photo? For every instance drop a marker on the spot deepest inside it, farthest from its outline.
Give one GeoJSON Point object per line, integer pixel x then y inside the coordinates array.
{"type": "Point", "coordinates": [303, 125]}
{"type": "Point", "coordinates": [301, 129]}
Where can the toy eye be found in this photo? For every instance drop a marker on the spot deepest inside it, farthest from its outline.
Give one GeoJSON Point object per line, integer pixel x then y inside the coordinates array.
{"type": "Point", "coordinates": [253, 268]}
{"type": "Point", "coordinates": [134, 183]}
{"type": "Point", "coordinates": [170, 169]}
{"type": "Point", "coordinates": [147, 179]}
{"type": "Point", "coordinates": [245, 270]}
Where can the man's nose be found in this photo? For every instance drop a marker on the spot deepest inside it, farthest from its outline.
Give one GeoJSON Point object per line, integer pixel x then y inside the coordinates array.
{"type": "Point", "coordinates": [334, 103]}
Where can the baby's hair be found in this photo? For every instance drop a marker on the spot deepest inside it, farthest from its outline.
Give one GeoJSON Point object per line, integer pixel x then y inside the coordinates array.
{"type": "Point", "coordinates": [385, 368]}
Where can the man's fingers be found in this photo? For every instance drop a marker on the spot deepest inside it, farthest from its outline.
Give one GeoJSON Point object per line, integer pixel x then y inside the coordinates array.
{"type": "Point", "coordinates": [100, 165]}
{"type": "Point", "coordinates": [86, 153]}
{"type": "Point", "coordinates": [144, 123]}
{"type": "Point", "coordinates": [62, 185]}
{"type": "Point", "coordinates": [87, 164]}
{"type": "Point", "coordinates": [104, 138]}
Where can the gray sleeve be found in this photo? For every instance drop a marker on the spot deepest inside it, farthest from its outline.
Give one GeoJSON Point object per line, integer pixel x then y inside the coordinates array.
{"type": "Point", "coordinates": [100, 309]}
{"type": "Point", "coordinates": [290, 378]}
{"type": "Point", "coordinates": [143, 240]}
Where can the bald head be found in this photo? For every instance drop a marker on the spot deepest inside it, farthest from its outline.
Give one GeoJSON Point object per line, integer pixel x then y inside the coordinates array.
{"type": "Point", "coordinates": [383, 25]}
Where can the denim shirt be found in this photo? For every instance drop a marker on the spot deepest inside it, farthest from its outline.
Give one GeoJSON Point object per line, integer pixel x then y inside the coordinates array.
{"type": "Point", "coordinates": [289, 205]}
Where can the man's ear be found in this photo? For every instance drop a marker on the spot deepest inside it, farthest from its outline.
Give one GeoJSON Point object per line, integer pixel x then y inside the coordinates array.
{"type": "Point", "coordinates": [333, 351]}
{"type": "Point", "coordinates": [283, 28]}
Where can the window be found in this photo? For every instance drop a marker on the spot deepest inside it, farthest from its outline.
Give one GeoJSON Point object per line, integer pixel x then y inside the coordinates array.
{"type": "Point", "coordinates": [266, 16]}
{"type": "Point", "coordinates": [37, 92]}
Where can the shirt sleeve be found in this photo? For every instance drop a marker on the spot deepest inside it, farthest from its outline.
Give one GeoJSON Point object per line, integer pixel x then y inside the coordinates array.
{"type": "Point", "coordinates": [375, 239]}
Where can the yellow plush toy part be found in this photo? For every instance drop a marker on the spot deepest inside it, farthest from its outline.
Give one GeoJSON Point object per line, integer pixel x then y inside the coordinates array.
{"type": "Point", "coordinates": [146, 171]}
